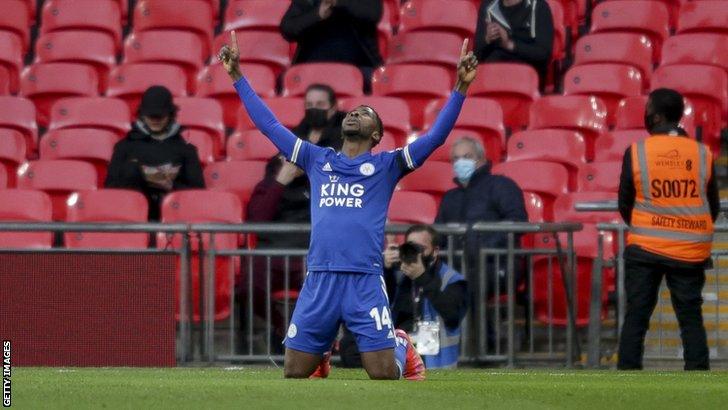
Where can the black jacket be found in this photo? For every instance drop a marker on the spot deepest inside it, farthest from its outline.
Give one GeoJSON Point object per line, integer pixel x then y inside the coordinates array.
{"type": "Point", "coordinates": [349, 35]}
{"type": "Point", "coordinates": [627, 196]}
{"type": "Point", "coordinates": [273, 202]}
{"type": "Point", "coordinates": [487, 198]}
{"type": "Point", "coordinates": [529, 24]}
{"type": "Point", "coordinates": [450, 303]}
{"type": "Point", "coordinates": [139, 148]}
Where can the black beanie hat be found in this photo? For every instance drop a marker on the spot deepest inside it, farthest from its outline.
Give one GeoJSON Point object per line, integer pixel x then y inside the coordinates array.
{"type": "Point", "coordinates": [157, 102]}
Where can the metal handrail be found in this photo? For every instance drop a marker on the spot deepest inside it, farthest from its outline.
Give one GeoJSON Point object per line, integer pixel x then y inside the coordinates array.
{"type": "Point", "coordinates": [611, 205]}
{"type": "Point", "coordinates": [526, 227]}
{"type": "Point", "coordinates": [92, 227]}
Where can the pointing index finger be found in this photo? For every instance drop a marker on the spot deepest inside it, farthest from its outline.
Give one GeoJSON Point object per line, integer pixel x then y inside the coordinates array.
{"type": "Point", "coordinates": [464, 50]}
{"type": "Point", "coordinates": [233, 41]}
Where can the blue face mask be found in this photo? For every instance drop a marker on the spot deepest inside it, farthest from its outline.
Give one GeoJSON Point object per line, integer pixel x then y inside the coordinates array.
{"type": "Point", "coordinates": [464, 169]}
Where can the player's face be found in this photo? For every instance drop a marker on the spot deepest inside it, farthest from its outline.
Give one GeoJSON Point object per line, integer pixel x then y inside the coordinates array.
{"type": "Point", "coordinates": [360, 123]}
{"type": "Point", "coordinates": [423, 239]}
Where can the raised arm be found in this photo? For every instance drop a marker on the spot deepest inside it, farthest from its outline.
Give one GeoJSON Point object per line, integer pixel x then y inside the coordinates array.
{"type": "Point", "coordinates": [259, 113]}
{"type": "Point", "coordinates": [418, 151]}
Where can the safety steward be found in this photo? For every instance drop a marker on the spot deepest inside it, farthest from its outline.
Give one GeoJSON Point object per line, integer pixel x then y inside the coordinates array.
{"type": "Point", "coordinates": [669, 198]}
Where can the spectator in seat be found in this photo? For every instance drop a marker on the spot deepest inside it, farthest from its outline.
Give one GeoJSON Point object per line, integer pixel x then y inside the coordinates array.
{"type": "Point", "coordinates": [427, 293]}
{"type": "Point", "coordinates": [153, 158]}
{"type": "Point", "coordinates": [283, 196]}
{"type": "Point", "coordinates": [515, 31]}
{"type": "Point", "coordinates": [342, 31]}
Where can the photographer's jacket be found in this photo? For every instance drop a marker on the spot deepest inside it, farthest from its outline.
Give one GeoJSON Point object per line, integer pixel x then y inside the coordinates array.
{"type": "Point", "coordinates": [442, 294]}
{"type": "Point", "coordinates": [669, 197]}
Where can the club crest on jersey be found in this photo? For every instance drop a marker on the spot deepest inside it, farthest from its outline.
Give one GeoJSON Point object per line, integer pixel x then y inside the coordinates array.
{"type": "Point", "coordinates": [327, 167]}
{"type": "Point", "coordinates": [366, 169]}
{"type": "Point", "coordinates": [333, 179]}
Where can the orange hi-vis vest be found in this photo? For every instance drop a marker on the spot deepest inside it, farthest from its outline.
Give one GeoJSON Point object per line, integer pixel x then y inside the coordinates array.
{"type": "Point", "coordinates": [671, 215]}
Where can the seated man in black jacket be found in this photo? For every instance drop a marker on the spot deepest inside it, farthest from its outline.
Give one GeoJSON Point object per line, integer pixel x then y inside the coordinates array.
{"type": "Point", "coordinates": [342, 31]}
{"type": "Point", "coordinates": [154, 158]}
{"type": "Point", "coordinates": [515, 31]}
{"type": "Point", "coordinates": [430, 300]}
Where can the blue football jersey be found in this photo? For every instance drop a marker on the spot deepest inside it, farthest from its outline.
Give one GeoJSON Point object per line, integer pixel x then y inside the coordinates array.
{"type": "Point", "coordinates": [349, 202]}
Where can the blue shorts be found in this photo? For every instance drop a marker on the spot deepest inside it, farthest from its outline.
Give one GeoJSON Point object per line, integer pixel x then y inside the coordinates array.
{"type": "Point", "coordinates": [330, 298]}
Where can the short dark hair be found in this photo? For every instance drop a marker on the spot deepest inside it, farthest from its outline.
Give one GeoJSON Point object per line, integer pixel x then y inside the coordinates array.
{"type": "Point", "coordinates": [424, 228]}
{"type": "Point", "coordinates": [325, 88]}
{"type": "Point", "coordinates": [668, 103]}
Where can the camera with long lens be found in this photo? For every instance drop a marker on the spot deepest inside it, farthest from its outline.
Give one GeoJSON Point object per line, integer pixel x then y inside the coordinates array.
{"type": "Point", "coordinates": [409, 251]}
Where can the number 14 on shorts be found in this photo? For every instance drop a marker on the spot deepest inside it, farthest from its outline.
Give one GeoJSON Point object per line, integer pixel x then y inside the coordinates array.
{"type": "Point", "coordinates": [382, 319]}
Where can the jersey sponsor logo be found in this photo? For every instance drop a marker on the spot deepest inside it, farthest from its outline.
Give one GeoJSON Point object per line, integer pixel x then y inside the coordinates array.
{"type": "Point", "coordinates": [340, 194]}
{"type": "Point", "coordinates": [327, 167]}
{"type": "Point", "coordinates": [292, 331]}
{"type": "Point", "coordinates": [367, 169]}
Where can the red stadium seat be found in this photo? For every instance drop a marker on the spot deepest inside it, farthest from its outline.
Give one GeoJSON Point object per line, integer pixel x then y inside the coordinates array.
{"type": "Point", "coordinates": [385, 29]}
{"type": "Point", "coordinates": [514, 86]}
{"type": "Point", "coordinates": [203, 114]}
{"type": "Point", "coordinates": [18, 113]}
{"type": "Point", "coordinates": [564, 207]}
{"type": "Point", "coordinates": [288, 110]}
{"type": "Point", "coordinates": [46, 83]}
{"type": "Point", "coordinates": [195, 17]}
{"type": "Point", "coordinates": [562, 146]}
{"type": "Point", "coordinates": [254, 15]}
{"type": "Point", "coordinates": [609, 82]}
{"type": "Point", "coordinates": [631, 115]}
{"type": "Point", "coordinates": [703, 16]}
{"type": "Point", "coordinates": [86, 144]}
{"type": "Point", "coordinates": [15, 18]}
{"type": "Point", "coordinates": [345, 79]}
{"type": "Point", "coordinates": [546, 179]}
{"type": "Point", "coordinates": [433, 177]}
{"type": "Point", "coordinates": [558, 51]}
{"type": "Point", "coordinates": [408, 207]}
{"type": "Point", "coordinates": [104, 17]}
{"type": "Point", "coordinates": [214, 82]}
{"type": "Point", "coordinates": [393, 112]}
{"type": "Point", "coordinates": [611, 146]}
{"type": "Point", "coordinates": [250, 145]}
{"type": "Point", "coordinates": [619, 48]}
{"type": "Point", "coordinates": [534, 207]}
{"type": "Point", "coordinates": [188, 52]}
{"type": "Point", "coordinates": [11, 58]}
{"type": "Point", "coordinates": [107, 205]}
{"type": "Point", "coordinates": [480, 115]}
{"type": "Point", "coordinates": [3, 178]}
{"type": "Point", "coordinates": [600, 176]}
{"type": "Point", "coordinates": [673, 7]}
{"type": "Point", "coordinates": [12, 153]}
{"type": "Point", "coordinates": [84, 47]}
{"type": "Point", "coordinates": [129, 81]}
{"type": "Point", "coordinates": [111, 114]}
{"type": "Point", "coordinates": [443, 152]}
{"type": "Point", "coordinates": [638, 16]}
{"type": "Point", "coordinates": [32, 7]}
{"type": "Point", "coordinates": [573, 112]}
{"type": "Point", "coordinates": [205, 206]}
{"type": "Point", "coordinates": [204, 144]}
{"type": "Point", "coordinates": [387, 143]}
{"type": "Point", "coordinates": [259, 47]}
{"type": "Point", "coordinates": [238, 177]}
{"type": "Point", "coordinates": [442, 49]}
{"type": "Point", "coordinates": [26, 206]}
{"type": "Point", "coordinates": [696, 48]}
{"type": "Point", "coordinates": [4, 81]}
{"type": "Point", "coordinates": [58, 178]}
{"type": "Point", "coordinates": [706, 87]}
{"type": "Point", "coordinates": [416, 84]}
{"type": "Point", "coordinates": [438, 15]}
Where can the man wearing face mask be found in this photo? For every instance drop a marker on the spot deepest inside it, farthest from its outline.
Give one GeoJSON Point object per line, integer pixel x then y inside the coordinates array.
{"type": "Point", "coordinates": [154, 158]}
{"type": "Point", "coordinates": [284, 196]}
{"type": "Point", "coordinates": [668, 196]}
{"type": "Point", "coordinates": [429, 299]}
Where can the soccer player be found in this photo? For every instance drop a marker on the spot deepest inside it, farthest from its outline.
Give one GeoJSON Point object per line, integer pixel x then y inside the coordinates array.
{"type": "Point", "coordinates": [350, 194]}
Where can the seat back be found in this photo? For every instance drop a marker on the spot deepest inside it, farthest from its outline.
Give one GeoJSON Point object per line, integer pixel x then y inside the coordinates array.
{"type": "Point", "coordinates": [696, 48]}
{"type": "Point", "coordinates": [433, 177]}
{"type": "Point", "coordinates": [425, 47]}
{"type": "Point", "coordinates": [238, 177]}
{"type": "Point", "coordinates": [611, 146]}
{"type": "Point", "coordinates": [544, 178]}
{"type": "Point", "coordinates": [288, 110]}
{"type": "Point", "coordinates": [564, 207]}
{"type": "Point", "coordinates": [86, 144]}
{"type": "Point", "coordinates": [600, 176]}
{"type": "Point", "coordinates": [436, 15]}
{"type": "Point", "coordinates": [250, 145]}
{"type": "Point", "coordinates": [646, 17]}
{"type": "Point", "coordinates": [11, 59]}
{"type": "Point", "coordinates": [24, 205]}
{"type": "Point", "coordinates": [12, 153]}
{"type": "Point", "coordinates": [129, 81]}
{"type": "Point", "coordinates": [261, 47]}
{"type": "Point", "coordinates": [623, 48]}
{"type": "Point", "coordinates": [412, 207]}
{"type": "Point", "coordinates": [562, 146]}
{"type": "Point", "coordinates": [111, 114]}
{"type": "Point", "coordinates": [345, 79]}
{"type": "Point", "coordinates": [254, 15]}
{"type": "Point", "coordinates": [104, 17]}
{"type": "Point", "coordinates": [16, 19]}
{"type": "Point", "coordinates": [203, 114]}
{"type": "Point", "coordinates": [18, 113]}
{"type": "Point", "coordinates": [195, 17]}
{"type": "Point", "coordinates": [706, 16]}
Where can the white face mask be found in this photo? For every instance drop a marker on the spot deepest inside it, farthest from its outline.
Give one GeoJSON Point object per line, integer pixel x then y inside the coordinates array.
{"type": "Point", "coordinates": [464, 169]}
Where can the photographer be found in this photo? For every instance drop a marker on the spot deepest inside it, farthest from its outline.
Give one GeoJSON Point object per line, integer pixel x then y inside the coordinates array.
{"type": "Point", "coordinates": [429, 297]}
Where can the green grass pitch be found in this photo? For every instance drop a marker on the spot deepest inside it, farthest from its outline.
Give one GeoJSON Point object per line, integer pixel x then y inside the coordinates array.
{"type": "Point", "coordinates": [264, 388]}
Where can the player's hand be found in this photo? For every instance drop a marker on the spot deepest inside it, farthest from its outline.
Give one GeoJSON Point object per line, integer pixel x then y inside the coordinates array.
{"type": "Point", "coordinates": [326, 8]}
{"type": "Point", "coordinates": [413, 270]}
{"type": "Point", "coordinates": [466, 68]}
{"type": "Point", "coordinates": [229, 55]}
{"type": "Point", "coordinates": [288, 173]}
{"type": "Point", "coordinates": [391, 256]}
